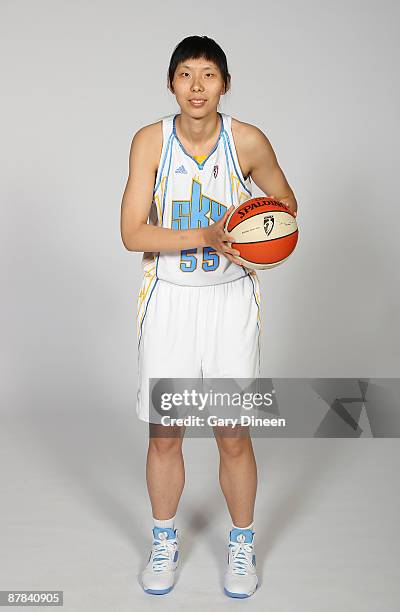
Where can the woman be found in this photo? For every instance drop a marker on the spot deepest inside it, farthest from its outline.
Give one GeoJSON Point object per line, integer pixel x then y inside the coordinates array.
{"type": "Point", "coordinates": [198, 307]}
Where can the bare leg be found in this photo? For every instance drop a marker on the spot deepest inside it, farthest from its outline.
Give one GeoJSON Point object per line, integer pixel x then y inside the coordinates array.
{"type": "Point", "coordinates": [237, 475]}
{"type": "Point", "coordinates": [165, 470]}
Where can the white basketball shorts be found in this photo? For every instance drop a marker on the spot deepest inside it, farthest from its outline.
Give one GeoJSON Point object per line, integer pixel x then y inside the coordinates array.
{"type": "Point", "coordinates": [211, 331]}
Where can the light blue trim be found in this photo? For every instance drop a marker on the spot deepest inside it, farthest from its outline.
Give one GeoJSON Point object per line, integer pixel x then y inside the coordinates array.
{"type": "Point", "coordinates": [158, 257]}
{"type": "Point", "coordinates": [248, 534]}
{"type": "Point", "coordinates": [166, 188]}
{"type": "Point", "coordinates": [160, 592]}
{"type": "Point", "coordinates": [229, 167]}
{"type": "Point", "coordinates": [145, 312]}
{"type": "Point", "coordinates": [239, 174]}
{"type": "Point", "coordinates": [171, 533]}
{"type": "Point", "coordinates": [163, 162]}
{"type": "Point", "coordinates": [200, 166]}
{"type": "Point", "coordinates": [258, 325]}
{"type": "Point", "coordinates": [163, 207]}
{"type": "Point", "coordinates": [236, 595]}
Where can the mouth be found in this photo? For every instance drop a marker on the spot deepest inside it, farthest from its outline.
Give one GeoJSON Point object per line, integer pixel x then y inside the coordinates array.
{"type": "Point", "coordinates": [197, 102]}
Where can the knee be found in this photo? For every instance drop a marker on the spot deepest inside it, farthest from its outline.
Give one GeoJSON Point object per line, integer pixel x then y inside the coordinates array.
{"type": "Point", "coordinates": [232, 447]}
{"type": "Point", "coordinates": [165, 445]}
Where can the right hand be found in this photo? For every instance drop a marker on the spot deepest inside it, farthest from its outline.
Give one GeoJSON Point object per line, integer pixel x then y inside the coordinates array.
{"type": "Point", "coordinates": [218, 239]}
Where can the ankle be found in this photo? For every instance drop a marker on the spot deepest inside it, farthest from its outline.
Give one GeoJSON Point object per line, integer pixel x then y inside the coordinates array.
{"type": "Point", "coordinates": [164, 522]}
{"type": "Point", "coordinates": [249, 527]}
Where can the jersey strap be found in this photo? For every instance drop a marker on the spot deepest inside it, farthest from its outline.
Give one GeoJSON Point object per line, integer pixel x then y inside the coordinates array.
{"type": "Point", "coordinates": [238, 184]}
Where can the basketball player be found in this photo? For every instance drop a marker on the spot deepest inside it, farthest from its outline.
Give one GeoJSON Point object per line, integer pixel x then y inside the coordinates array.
{"type": "Point", "coordinates": [198, 307]}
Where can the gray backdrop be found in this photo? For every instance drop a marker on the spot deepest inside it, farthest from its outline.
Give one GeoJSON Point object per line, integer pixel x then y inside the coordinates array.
{"type": "Point", "coordinates": [79, 78]}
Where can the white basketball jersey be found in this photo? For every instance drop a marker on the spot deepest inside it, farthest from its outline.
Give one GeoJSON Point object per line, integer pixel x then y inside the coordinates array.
{"type": "Point", "coordinates": [189, 195]}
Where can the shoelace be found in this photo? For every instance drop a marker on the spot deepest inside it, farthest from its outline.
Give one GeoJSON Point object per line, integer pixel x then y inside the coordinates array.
{"type": "Point", "coordinates": [241, 555]}
{"type": "Point", "coordinates": [163, 551]}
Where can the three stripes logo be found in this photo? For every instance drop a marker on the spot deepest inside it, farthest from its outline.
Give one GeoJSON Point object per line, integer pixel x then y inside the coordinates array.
{"type": "Point", "coordinates": [181, 170]}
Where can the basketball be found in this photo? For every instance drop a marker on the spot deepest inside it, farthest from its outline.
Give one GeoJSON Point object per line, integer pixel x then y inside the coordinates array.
{"type": "Point", "coordinates": [265, 232]}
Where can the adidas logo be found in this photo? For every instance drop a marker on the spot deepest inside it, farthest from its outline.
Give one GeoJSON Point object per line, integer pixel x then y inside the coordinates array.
{"type": "Point", "coordinates": [181, 170]}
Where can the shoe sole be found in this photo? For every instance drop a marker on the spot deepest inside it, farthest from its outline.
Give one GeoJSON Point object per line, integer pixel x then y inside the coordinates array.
{"type": "Point", "coordinates": [160, 591]}
{"type": "Point", "coordinates": [155, 592]}
{"type": "Point", "coordinates": [239, 595]}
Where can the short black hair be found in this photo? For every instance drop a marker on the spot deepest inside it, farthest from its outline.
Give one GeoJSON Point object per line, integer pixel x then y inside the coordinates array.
{"type": "Point", "coordinates": [194, 47]}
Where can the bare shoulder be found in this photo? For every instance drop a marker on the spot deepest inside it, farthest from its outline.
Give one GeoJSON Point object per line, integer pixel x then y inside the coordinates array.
{"type": "Point", "coordinates": [148, 141]}
{"type": "Point", "coordinates": [153, 131]}
{"type": "Point", "coordinates": [249, 142]}
{"type": "Point", "coordinates": [246, 134]}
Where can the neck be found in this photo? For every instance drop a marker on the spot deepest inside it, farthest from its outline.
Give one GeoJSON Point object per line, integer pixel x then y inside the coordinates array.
{"type": "Point", "coordinates": [197, 131]}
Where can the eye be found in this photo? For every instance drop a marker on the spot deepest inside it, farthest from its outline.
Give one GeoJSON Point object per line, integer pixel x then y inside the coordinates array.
{"type": "Point", "coordinates": [183, 73]}
{"type": "Point", "coordinates": [210, 74]}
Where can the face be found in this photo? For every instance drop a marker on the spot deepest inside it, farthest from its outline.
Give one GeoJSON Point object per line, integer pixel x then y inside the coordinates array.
{"type": "Point", "coordinates": [198, 86]}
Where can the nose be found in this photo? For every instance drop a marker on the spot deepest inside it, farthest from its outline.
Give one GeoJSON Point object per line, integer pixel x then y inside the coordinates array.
{"type": "Point", "coordinates": [196, 85]}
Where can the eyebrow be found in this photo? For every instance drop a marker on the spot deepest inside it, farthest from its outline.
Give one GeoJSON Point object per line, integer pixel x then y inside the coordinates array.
{"type": "Point", "coordinates": [205, 67]}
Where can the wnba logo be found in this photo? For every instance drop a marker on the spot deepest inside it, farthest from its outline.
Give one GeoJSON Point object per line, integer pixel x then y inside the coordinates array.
{"type": "Point", "coordinates": [215, 171]}
{"type": "Point", "coordinates": [268, 224]}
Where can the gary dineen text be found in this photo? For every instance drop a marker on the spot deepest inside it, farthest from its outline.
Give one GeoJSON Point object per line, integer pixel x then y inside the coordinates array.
{"type": "Point", "coordinates": [213, 421]}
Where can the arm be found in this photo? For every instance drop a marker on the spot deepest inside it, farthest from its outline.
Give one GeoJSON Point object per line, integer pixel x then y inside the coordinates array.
{"type": "Point", "coordinates": [264, 168]}
{"type": "Point", "coordinates": [136, 233]}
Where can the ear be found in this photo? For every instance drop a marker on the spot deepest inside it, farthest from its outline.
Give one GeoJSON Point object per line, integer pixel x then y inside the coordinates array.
{"type": "Point", "coordinates": [170, 86]}
{"type": "Point", "coordinates": [228, 86]}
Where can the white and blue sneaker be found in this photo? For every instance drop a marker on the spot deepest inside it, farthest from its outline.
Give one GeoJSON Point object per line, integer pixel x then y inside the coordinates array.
{"type": "Point", "coordinates": [158, 577]}
{"type": "Point", "coordinates": [241, 576]}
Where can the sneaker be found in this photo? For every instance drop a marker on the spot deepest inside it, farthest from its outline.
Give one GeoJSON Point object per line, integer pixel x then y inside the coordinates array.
{"type": "Point", "coordinates": [241, 577]}
{"type": "Point", "coordinates": [159, 574]}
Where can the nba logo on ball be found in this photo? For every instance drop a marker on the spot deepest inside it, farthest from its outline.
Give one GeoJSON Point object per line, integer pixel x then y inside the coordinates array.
{"type": "Point", "coordinates": [265, 232]}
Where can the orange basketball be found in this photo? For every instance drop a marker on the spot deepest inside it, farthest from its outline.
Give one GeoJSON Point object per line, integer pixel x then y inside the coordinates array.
{"type": "Point", "coordinates": [265, 232]}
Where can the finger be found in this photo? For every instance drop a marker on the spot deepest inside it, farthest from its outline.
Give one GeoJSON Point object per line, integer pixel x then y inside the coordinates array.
{"type": "Point", "coordinates": [227, 213]}
{"type": "Point", "coordinates": [232, 252]}
{"type": "Point", "coordinates": [229, 238]}
{"type": "Point", "coordinates": [222, 220]}
{"type": "Point", "coordinates": [230, 258]}
{"type": "Point", "coordinates": [233, 259]}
